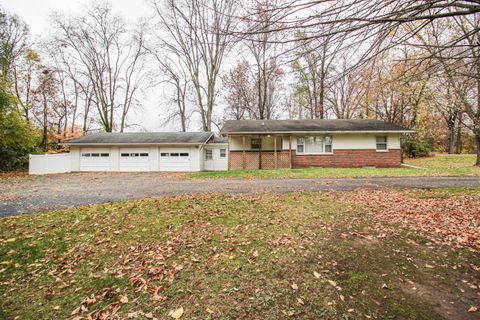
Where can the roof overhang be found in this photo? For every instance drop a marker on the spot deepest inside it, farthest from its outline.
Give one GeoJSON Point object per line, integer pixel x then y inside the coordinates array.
{"type": "Point", "coordinates": [67, 143]}
{"type": "Point", "coordinates": [321, 132]}
{"type": "Point", "coordinates": [131, 144]}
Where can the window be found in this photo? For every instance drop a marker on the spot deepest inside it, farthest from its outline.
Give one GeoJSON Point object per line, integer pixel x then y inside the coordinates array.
{"type": "Point", "coordinates": [208, 154]}
{"type": "Point", "coordinates": [382, 143]}
{"type": "Point", "coordinates": [328, 144]}
{"type": "Point", "coordinates": [256, 144]}
{"type": "Point", "coordinates": [223, 153]}
{"type": "Point", "coordinates": [314, 144]}
{"type": "Point", "coordinates": [86, 155]}
{"type": "Point", "coordinates": [184, 154]}
{"type": "Point", "coordinates": [300, 145]}
{"type": "Point", "coordinates": [165, 154]}
{"type": "Point", "coordinates": [95, 154]}
{"type": "Point", "coordinates": [174, 154]}
{"type": "Point", "coordinates": [104, 155]}
{"type": "Point", "coordinates": [134, 155]}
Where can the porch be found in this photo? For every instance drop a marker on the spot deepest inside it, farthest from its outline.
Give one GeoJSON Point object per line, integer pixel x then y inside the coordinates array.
{"type": "Point", "coordinates": [260, 152]}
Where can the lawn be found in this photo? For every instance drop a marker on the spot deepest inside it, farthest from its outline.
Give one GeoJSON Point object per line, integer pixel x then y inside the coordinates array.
{"type": "Point", "coordinates": [266, 256]}
{"type": "Point", "coordinates": [443, 165]}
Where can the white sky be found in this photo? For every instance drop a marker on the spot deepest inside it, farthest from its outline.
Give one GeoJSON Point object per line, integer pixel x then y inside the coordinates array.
{"type": "Point", "coordinates": [36, 13]}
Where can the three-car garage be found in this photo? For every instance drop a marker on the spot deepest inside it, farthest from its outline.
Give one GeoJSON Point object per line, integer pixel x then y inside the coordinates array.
{"type": "Point", "coordinates": [157, 151]}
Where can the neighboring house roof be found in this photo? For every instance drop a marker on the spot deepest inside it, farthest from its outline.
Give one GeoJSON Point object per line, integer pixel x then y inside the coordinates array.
{"type": "Point", "coordinates": [129, 138]}
{"type": "Point", "coordinates": [220, 140]}
{"type": "Point", "coordinates": [302, 126]}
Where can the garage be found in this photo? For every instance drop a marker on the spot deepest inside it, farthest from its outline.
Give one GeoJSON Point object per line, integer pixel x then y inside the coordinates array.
{"type": "Point", "coordinates": [95, 159]}
{"type": "Point", "coordinates": [175, 159]}
{"type": "Point", "coordinates": [134, 159]}
{"type": "Point", "coordinates": [139, 151]}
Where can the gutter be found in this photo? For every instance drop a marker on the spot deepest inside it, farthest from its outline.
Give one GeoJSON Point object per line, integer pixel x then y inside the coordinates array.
{"type": "Point", "coordinates": [307, 132]}
{"type": "Point", "coordinates": [129, 144]}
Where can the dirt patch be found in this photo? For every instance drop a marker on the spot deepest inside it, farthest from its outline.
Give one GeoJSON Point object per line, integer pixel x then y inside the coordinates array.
{"type": "Point", "coordinates": [450, 305]}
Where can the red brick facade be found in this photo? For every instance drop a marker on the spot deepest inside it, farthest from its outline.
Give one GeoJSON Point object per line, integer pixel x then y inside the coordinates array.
{"type": "Point", "coordinates": [349, 159]}
{"type": "Point", "coordinates": [340, 159]}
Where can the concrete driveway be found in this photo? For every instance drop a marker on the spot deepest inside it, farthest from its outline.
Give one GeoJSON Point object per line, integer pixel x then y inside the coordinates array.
{"type": "Point", "coordinates": [51, 192]}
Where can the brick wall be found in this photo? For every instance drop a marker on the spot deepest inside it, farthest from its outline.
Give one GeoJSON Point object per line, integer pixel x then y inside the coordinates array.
{"type": "Point", "coordinates": [349, 159]}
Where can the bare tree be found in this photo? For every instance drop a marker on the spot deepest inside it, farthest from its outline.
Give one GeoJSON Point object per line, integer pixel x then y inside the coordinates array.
{"type": "Point", "coordinates": [362, 20]}
{"type": "Point", "coordinates": [240, 93]}
{"type": "Point", "coordinates": [13, 42]}
{"type": "Point", "coordinates": [197, 32]}
{"type": "Point", "coordinates": [176, 76]}
{"type": "Point", "coordinates": [109, 55]}
{"type": "Point", "coordinates": [265, 66]}
{"type": "Point", "coordinates": [346, 92]}
{"type": "Point", "coordinates": [24, 74]}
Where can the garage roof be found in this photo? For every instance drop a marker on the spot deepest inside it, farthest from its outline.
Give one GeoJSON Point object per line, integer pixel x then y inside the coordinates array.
{"type": "Point", "coordinates": [132, 138]}
{"type": "Point", "coordinates": [317, 125]}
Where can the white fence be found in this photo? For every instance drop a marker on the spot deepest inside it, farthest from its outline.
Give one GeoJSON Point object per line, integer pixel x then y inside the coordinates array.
{"type": "Point", "coordinates": [49, 163]}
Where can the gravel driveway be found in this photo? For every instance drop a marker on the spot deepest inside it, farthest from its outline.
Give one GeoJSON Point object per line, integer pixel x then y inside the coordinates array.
{"type": "Point", "coordinates": [41, 193]}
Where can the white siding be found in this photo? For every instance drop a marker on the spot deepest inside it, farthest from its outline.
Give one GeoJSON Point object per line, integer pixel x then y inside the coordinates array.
{"type": "Point", "coordinates": [352, 141]}
{"type": "Point", "coordinates": [216, 163]}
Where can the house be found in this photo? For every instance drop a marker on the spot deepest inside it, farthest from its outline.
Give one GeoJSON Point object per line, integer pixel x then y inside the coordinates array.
{"type": "Point", "coordinates": [269, 144]}
{"type": "Point", "coordinates": [246, 144]}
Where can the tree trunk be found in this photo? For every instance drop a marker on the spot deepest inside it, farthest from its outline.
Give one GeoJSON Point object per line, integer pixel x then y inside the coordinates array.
{"type": "Point", "coordinates": [477, 139]}
{"type": "Point", "coordinates": [45, 124]}
{"type": "Point", "coordinates": [459, 139]}
{"type": "Point", "coordinates": [451, 139]}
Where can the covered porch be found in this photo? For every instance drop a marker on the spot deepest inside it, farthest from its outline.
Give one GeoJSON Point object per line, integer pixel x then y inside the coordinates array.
{"type": "Point", "coordinates": [260, 151]}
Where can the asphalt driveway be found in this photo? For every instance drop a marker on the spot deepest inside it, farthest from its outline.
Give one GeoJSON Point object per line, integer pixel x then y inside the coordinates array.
{"type": "Point", "coordinates": [51, 192]}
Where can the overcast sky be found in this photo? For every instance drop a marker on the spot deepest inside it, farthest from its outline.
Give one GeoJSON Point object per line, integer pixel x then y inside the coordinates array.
{"type": "Point", "coordinates": [36, 13]}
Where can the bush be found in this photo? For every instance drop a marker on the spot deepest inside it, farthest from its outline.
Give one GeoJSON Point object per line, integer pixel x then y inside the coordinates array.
{"type": "Point", "coordinates": [415, 147]}
{"type": "Point", "coordinates": [18, 138]}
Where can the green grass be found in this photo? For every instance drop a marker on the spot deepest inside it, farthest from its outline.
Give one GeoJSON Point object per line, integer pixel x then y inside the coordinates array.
{"type": "Point", "coordinates": [222, 257]}
{"type": "Point", "coordinates": [456, 165]}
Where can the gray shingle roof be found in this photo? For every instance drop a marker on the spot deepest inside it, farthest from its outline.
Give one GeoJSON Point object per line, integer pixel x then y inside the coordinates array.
{"type": "Point", "coordinates": [323, 125]}
{"type": "Point", "coordinates": [142, 138]}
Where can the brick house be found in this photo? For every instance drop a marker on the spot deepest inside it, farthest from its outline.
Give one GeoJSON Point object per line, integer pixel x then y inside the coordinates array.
{"type": "Point", "coordinates": [269, 144]}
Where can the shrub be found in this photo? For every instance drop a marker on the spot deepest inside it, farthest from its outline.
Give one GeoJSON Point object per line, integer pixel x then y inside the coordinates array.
{"type": "Point", "coordinates": [416, 147]}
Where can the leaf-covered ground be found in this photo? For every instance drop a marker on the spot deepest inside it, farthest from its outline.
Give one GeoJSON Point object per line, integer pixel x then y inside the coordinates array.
{"type": "Point", "coordinates": [441, 165]}
{"type": "Point", "coordinates": [269, 256]}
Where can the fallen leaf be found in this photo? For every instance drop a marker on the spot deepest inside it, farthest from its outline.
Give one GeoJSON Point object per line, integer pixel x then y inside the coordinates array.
{"type": "Point", "coordinates": [317, 275]}
{"type": "Point", "coordinates": [332, 283]}
{"type": "Point", "coordinates": [56, 308]}
{"type": "Point", "coordinates": [384, 286]}
{"type": "Point", "coordinates": [429, 266]}
{"type": "Point", "coordinates": [123, 299]}
{"type": "Point", "coordinates": [473, 309]}
{"type": "Point", "coordinates": [75, 311]}
{"type": "Point", "coordinates": [300, 301]}
{"type": "Point", "coordinates": [176, 314]}
{"type": "Point", "coordinates": [209, 311]}
{"type": "Point", "coordinates": [294, 286]}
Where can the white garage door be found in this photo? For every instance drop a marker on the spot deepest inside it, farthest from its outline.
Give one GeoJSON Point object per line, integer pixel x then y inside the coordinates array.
{"type": "Point", "coordinates": [134, 159]}
{"type": "Point", "coordinates": [95, 159]}
{"type": "Point", "coordinates": [175, 159]}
